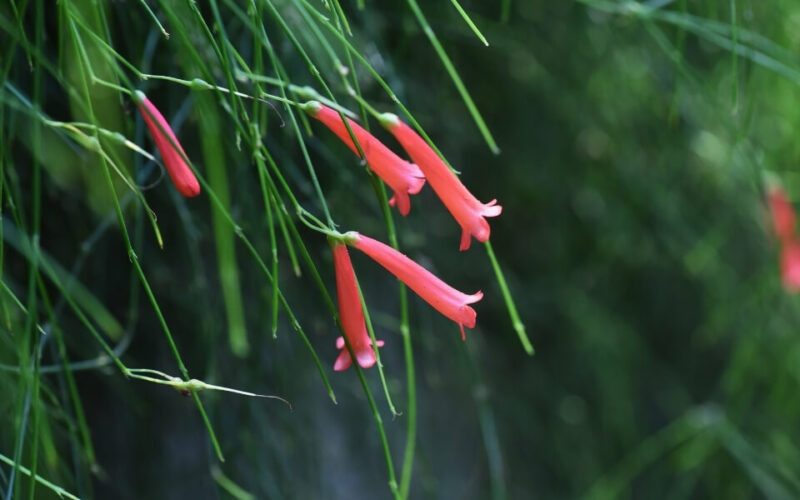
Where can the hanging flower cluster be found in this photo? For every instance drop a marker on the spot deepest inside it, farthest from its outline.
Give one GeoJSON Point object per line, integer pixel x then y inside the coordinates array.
{"type": "Point", "coordinates": [405, 179]}
{"type": "Point", "coordinates": [784, 223]}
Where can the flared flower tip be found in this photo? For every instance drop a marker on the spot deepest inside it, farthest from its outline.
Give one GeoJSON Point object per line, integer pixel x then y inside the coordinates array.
{"type": "Point", "coordinates": [450, 302]}
{"type": "Point", "coordinates": [492, 209]}
{"type": "Point", "coordinates": [412, 182]}
{"type": "Point", "coordinates": [401, 199]}
{"type": "Point", "coordinates": [467, 315]}
{"type": "Point", "coordinates": [459, 201]}
{"type": "Point", "coordinates": [365, 356]}
{"type": "Point", "coordinates": [479, 226]}
{"type": "Point", "coordinates": [171, 151]}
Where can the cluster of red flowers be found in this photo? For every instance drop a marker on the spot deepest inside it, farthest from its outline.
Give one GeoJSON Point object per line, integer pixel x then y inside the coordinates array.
{"type": "Point", "coordinates": [404, 178]}
{"type": "Point", "coordinates": [784, 222]}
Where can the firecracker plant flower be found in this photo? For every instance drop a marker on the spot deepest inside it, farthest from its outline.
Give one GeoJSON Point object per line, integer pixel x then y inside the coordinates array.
{"type": "Point", "coordinates": [403, 177]}
{"type": "Point", "coordinates": [790, 265]}
{"type": "Point", "coordinates": [464, 207]}
{"type": "Point", "coordinates": [171, 150]}
{"type": "Point", "coordinates": [447, 300]}
{"type": "Point", "coordinates": [351, 314]}
{"type": "Point", "coordinates": [784, 219]}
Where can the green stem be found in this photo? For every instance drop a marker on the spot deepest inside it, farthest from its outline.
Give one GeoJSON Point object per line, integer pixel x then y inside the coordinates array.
{"type": "Point", "coordinates": [277, 66]}
{"type": "Point", "coordinates": [371, 332]}
{"type": "Point", "coordinates": [254, 253]}
{"type": "Point", "coordinates": [469, 22]}
{"type": "Point", "coordinates": [451, 70]}
{"type": "Point", "coordinates": [58, 490]}
{"type": "Point", "coordinates": [66, 370]}
{"type": "Point", "coordinates": [30, 334]}
{"type": "Point", "coordinates": [381, 431]}
{"type": "Point", "coordinates": [411, 383]}
{"type": "Point", "coordinates": [129, 248]}
{"type": "Point", "coordinates": [519, 327]}
{"type": "Point", "coordinates": [154, 18]}
{"type": "Point", "coordinates": [273, 241]}
{"type": "Point", "coordinates": [381, 82]}
{"type": "Point", "coordinates": [408, 353]}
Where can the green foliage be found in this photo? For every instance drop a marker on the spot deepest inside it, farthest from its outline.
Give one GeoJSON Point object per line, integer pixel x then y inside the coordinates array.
{"type": "Point", "coordinates": [633, 139]}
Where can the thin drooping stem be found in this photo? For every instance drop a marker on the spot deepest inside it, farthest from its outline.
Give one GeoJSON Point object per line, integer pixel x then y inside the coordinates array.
{"type": "Point", "coordinates": [84, 67]}
{"type": "Point", "coordinates": [376, 183]}
{"type": "Point", "coordinates": [469, 22]}
{"type": "Point", "coordinates": [371, 332]}
{"type": "Point", "coordinates": [260, 262]}
{"type": "Point", "coordinates": [408, 353]}
{"type": "Point", "coordinates": [29, 342]}
{"type": "Point", "coordinates": [379, 422]}
{"type": "Point", "coordinates": [372, 71]}
{"type": "Point", "coordinates": [516, 322]}
{"type": "Point", "coordinates": [280, 72]}
{"type": "Point", "coordinates": [38, 344]}
{"type": "Point", "coordinates": [58, 490]}
{"type": "Point", "coordinates": [451, 70]}
{"type": "Point", "coordinates": [154, 18]}
{"type": "Point", "coordinates": [80, 416]}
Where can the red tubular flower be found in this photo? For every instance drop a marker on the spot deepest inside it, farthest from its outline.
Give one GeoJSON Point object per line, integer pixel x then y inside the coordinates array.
{"type": "Point", "coordinates": [444, 298]}
{"type": "Point", "coordinates": [404, 178]}
{"type": "Point", "coordinates": [465, 208]}
{"type": "Point", "coordinates": [180, 173]}
{"type": "Point", "coordinates": [350, 314]}
{"type": "Point", "coordinates": [783, 215]}
{"type": "Point", "coordinates": [790, 265]}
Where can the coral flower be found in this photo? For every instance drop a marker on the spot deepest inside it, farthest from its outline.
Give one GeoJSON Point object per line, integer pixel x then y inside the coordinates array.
{"type": "Point", "coordinates": [444, 298]}
{"type": "Point", "coordinates": [783, 215]}
{"type": "Point", "coordinates": [404, 178]}
{"type": "Point", "coordinates": [171, 151]}
{"type": "Point", "coordinates": [350, 314]}
{"type": "Point", "coordinates": [790, 265]}
{"type": "Point", "coordinates": [465, 208]}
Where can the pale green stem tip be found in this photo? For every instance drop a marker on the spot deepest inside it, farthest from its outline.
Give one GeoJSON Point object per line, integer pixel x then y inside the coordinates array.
{"type": "Point", "coordinates": [388, 120]}
{"type": "Point", "coordinates": [349, 238]}
{"type": "Point", "coordinates": [311, 107]}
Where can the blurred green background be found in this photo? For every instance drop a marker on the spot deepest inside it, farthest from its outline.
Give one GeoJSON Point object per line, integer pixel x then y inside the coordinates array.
{"type": "Point", "coordinates": [634, 138]}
